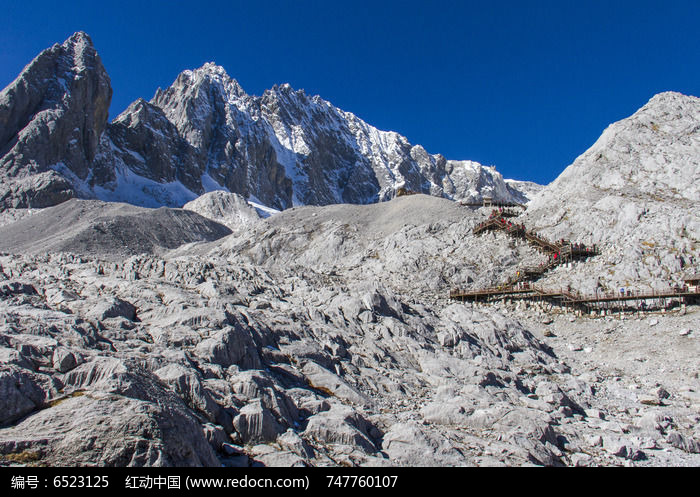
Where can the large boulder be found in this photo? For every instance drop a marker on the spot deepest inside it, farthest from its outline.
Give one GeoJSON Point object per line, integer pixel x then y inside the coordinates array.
{"type": "Point", "coordinates": [342, 425]}
{"type": "Point", "coordinates": [231, 345]}
{"type": "Point", "coordinates": [22, 392]}
{"type": "Point", "coordinates": [109, 430]}
{"type": "Point", "coordinates": [256, 423]}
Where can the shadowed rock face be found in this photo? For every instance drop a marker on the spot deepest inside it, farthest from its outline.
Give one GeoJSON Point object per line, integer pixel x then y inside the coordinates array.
{"type": "Point", "coordinates": [53, 113]}
{"type": "Point", "coordinates": [146, 142]}
{"type": "Point", "coordinates": [112, 230]}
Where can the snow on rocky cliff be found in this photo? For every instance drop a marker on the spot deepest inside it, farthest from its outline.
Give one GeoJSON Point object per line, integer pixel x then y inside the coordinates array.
{"type": "Point", "coordinates": [287, 148]}
{"type": "Point", "coordinates": [204, 133]}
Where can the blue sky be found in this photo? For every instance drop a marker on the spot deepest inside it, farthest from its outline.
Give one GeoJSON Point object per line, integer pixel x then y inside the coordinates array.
{"type": "Point", "coordinates": [525, 86]}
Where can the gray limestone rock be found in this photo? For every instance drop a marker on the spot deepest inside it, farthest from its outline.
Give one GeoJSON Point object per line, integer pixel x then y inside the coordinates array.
{"type": "Point", "coordinates": [323, 380]}
{"type": "Point", "coordinates": [109, 430]}
{"type": "Point", "coordinates": [125, 377]}
{"type": "Point", "coordinates": [290, 440]}
{"type": "Point", "coordinates": [536, 437]}
{"type": "Point", "coordinates": [412, 445]}
{"type": "Point", "coordinates": [581, 460]}
{"type": "Point", "coordinates": [232, 345]}
{"type": "Point", "coordinates": [14, 357]}
{"type": "Point", "coordinates": [553, 394]}
{"type": "Point", "coordinates": [216, 436]}
{"type": "Point", "coordinates": [64, 360]}
{"type": "Point", "coordinates": [112, 308]}
{"type": "Point", "coordinates": [683, 442]}
{"type": "Point", "coordinates": [281, 459]}
{"type": "Point", "coordinates": [52, 116]}
{"type": "Point", "coordinates": [341, 425]}
{"type": "Point", "coordinates": [9, 288]}
{"type": "Point", "coordinates": [38, 349]}
{"type": "Point", "coordinates": [617, 447]}
{"type": "Point", "coordinates": [186, 383]}
{"type": "Point", "coordinates": [22, 392]}
{"type": "Point", "coordinates": [256, 423]}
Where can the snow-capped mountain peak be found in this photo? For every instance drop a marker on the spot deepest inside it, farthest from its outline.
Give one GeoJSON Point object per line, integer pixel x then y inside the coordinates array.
{"type": "Point", "coordinates": [204, 132]}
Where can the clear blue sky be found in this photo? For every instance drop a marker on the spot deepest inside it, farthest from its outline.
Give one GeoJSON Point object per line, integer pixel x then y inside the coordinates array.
{"type": "Point", "coordinates": [523, 85]}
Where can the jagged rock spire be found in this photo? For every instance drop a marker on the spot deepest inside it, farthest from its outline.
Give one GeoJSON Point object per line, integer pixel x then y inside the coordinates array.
{"type": "Point", "coordinates": [51, 118]}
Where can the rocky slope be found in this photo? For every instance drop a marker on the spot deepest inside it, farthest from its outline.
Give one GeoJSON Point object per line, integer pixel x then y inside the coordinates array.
{"type": "Point", "coordinates": [322, 336]}
{"type": "Point", "coordinates": [229, 209]}
{"type": "Point", "coordinates": [635, 194]}
{"type": "Point", "coordinates": [113, 230]}
{"type": "Point", "coordinates": [204, 133]}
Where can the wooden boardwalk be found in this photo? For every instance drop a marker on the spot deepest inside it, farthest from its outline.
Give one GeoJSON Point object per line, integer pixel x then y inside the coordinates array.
{"type": "Point", "coordinates": [560, 252]}
{"type": "Point", "coordinates": [519, 287]}
{"type": "Point", "coordinates": [486, 203]}
{"type": "Point", "coordinates": [497, 222]}
{"type": "Point", "coordinates": [635, 300]}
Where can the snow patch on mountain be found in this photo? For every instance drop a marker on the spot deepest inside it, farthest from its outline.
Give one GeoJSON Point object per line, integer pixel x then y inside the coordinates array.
{"type": "Point", "coordinates": [133, 189]}
{"type": "Point", "coordinates": [263, 210]}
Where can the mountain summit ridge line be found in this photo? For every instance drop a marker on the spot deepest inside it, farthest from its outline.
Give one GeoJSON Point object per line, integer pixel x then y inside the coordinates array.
{"type": "Point", "coordinates": [205, 133]}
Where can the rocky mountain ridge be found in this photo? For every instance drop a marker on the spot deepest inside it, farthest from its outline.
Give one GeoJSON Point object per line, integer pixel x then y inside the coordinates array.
{"type": "Point", "coordinates": [204, 133]}
{"type": "Point", "coordinates": [52, 117]}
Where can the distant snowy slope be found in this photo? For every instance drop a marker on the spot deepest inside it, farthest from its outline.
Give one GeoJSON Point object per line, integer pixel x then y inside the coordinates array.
{"type": "Point", "coordinates": [526, 188]}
